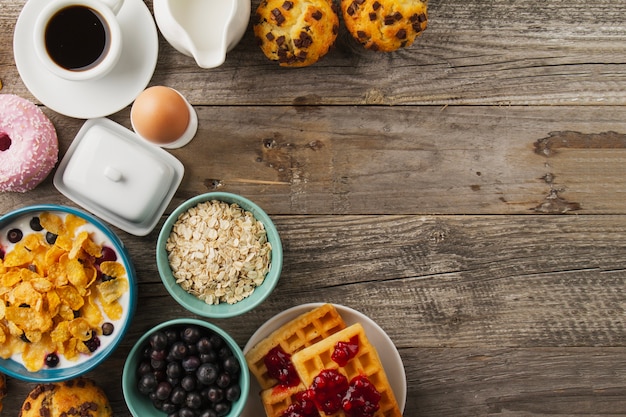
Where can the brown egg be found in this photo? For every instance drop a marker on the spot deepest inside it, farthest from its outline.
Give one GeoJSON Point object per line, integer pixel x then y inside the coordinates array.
{"type": "Point", "coordinates": [160, 115]}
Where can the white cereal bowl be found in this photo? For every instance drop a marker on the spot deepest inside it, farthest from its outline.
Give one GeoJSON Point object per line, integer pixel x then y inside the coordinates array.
{"type": "Point", "coordinates": [221, 310]}
{"type": "Point", "coordinates": [103, 235]}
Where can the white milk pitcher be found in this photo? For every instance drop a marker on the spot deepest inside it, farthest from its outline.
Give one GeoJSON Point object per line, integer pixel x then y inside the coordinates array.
{"type": "Point", "coordinates": [203, 29]}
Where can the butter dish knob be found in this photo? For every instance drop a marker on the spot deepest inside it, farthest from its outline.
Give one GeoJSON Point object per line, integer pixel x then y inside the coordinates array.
{"type": "Point", "coordinates": [112, 174]}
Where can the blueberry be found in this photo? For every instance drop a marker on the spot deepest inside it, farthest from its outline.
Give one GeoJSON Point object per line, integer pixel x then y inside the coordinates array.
{"type": "Point", "coordinates": [193, 400]}
{"type": "Point", "coordinates": [208, 413]}
{"type": "Point", "coordinates": [191, 363]}
{"type": "Point", "coordinates": [233, 393]}
{"type": "Point", "coordinates": [223, 380]}
{"type": "Point", "coordinates": [188, 383]}
{"type": "Point", "coordinates": [168, 408]}
{"type": "Point", "coordinates": [222, 408]}
{"type": "Point", "coordinates": [186, 412]}
{"type": "Point", "coordinates": [158, 340]}
{"type": "Point", "coordinates": [172, 336]}
{"type": "Point", "coordinates": [191, 334]}
{"type": "Point", "coordinates": [147, 383]}
{"type": "Point", "coordinates": [158, 355]}
{"type": "Point", "coordinates": [174, 370]}
{"type": "Point", "coordinates": [178, 395]}
{"type": "Point", "coordinates": [51, 238]}
{"type": "Point", "coordinates": [179, 350]}
{"type": "Point", "coordinates": [144, 368]}
{"type": "Point", "coordinates": [107, 329]}
{"type": "Point", "coordinates": [158, 364]}
{"type": "Point", "coordinates": [215, 394]}
{"type": "Point", "coordinates": [93, 344]}
{"type": "Point", "coordinates": [163, 391]}
{"type": "Point", "coordinates": [207, 373]}
{"type": "Point", "coordinates": [204, 345]}
{"type": "Point", "coordinates": [216, 341]}
{"type": "Point", "coordinates": [35, 224]}
{"type": "Point", "coordinates": [231, 365]}
{"type": "Point", "coordinates": [15, 235]}
{"type": "Point", "coordinates": [52, 360]}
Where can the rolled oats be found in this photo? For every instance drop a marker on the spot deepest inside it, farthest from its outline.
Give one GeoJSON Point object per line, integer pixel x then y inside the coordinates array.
{"type": "Point", "coordinates": [218, 252]}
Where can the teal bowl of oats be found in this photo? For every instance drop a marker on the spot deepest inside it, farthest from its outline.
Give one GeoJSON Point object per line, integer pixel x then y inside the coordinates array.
{"type": "Point", "coordinates": [219, 255]}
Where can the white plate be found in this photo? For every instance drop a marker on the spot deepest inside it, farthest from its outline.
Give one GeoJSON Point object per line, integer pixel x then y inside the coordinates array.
{"type": "Point", "coordinates": [97, 98]}
{"type": "Point", "coordinates": [389, 356]}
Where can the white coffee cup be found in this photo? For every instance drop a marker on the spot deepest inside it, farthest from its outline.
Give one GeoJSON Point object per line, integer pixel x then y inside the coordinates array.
{"type": "Point", "coordinates": [79, 39]}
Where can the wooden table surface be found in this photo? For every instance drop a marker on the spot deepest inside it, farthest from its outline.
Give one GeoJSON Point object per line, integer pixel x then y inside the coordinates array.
{"type": "Point", "coordinates": [466, 193]}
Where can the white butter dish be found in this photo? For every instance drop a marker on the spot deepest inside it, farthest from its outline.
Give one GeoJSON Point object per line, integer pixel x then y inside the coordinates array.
{"type": "Point", "coordinates": [110, 171]}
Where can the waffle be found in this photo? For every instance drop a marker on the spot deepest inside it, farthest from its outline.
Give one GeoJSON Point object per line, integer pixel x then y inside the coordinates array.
{"type": "Point", "coordinates": [277, 399]}
{"type": "Point", "coordinates": [310, 361]}
{"type": "Point", "coordinates": [299, 333]}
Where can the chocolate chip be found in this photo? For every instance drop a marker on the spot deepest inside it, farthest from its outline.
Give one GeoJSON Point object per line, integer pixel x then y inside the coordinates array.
{"type": "Point", "coordinates": [306, 39]}
{"type": "Point", "coordinates": [352, 8]}
{"type": "Point", "coordinates": [413, 18]}
{"type": "Point", "coordinates": [278, 16]}
{"type": "Point", "coordinates": [397, 16]}
{"type": "Point", "coordinates": [374, 47]}
{"type": "Point", "coordinates": [361, 34]}
{"type": "Point", "coordinates": [287, 5]}
{"type": "Point", "coordinates": [401, 34]}
{"type": "Point", "coordinates": [269, 36]}
{"type": "Point", "coordinates": [422, 17]}
{"type": "Point", "coordinates": [280, 40]}
{"type": "Point", "coordinates": [389, 20]}
{"type": "Point", "coordinates": [417, 27]}
{"type": "Point", "coordinates": [27, 405]}
{"type": "Point", "coordinates": [372, 16]}
{"type": "Point", "coordinates": [376, 5]}
{"type": "Point", "coordinates": [317, 15]}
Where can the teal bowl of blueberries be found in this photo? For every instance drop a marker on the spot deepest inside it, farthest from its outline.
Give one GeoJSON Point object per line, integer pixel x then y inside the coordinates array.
{"type": "Point", "coordinates": [51, 330]}
{"type": "Point", "coordinates": [187, 368]}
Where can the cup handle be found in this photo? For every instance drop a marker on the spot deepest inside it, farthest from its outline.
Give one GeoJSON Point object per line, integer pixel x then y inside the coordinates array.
{"type": "Point", "coordinates": [114, 5]}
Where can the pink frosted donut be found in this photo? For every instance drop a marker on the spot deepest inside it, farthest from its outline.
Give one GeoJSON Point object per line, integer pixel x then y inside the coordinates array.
{"type": "Point", "coordinates": [29, 148]}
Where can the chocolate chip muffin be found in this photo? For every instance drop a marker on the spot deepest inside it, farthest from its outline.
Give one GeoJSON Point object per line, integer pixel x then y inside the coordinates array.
{"type": "Point", "coordinates": [385, 25]}
{"type": "Point", "coordinates": [296, 33]}
{"type": "Point", "coordinates": [75, 398]}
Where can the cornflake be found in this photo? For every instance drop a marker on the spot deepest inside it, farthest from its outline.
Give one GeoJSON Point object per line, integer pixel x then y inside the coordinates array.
{"type": "Point", "coordinates": [218, 252]}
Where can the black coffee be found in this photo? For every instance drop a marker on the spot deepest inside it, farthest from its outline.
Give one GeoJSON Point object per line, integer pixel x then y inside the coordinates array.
{"type": "Point", "coordinates": [77, 38]}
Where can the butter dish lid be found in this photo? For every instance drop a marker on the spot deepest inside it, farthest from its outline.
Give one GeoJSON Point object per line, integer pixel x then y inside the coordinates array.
{"type": "Point", "coordinates": [110, 171]}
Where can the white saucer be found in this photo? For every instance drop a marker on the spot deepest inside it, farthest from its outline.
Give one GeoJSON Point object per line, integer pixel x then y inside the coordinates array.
{"type": "Point", "coordinates": [98, 98]}
{"type": "Point", "coordinates": [389, 356]}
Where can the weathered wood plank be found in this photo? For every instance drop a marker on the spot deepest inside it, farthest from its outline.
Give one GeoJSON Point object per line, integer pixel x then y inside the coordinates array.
{"type": "Point", "coordinates": [472, 160]}
{"type": "Point", "coordinates": [473, 52]}
{"type": "Point", "coordinates": [453, 160]}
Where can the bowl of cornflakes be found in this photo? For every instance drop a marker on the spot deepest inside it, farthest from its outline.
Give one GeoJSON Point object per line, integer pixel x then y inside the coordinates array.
{"type": "Point", "coordinates": [67, 289]}
{"type": "Point", "coordinates": [219, 255]}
